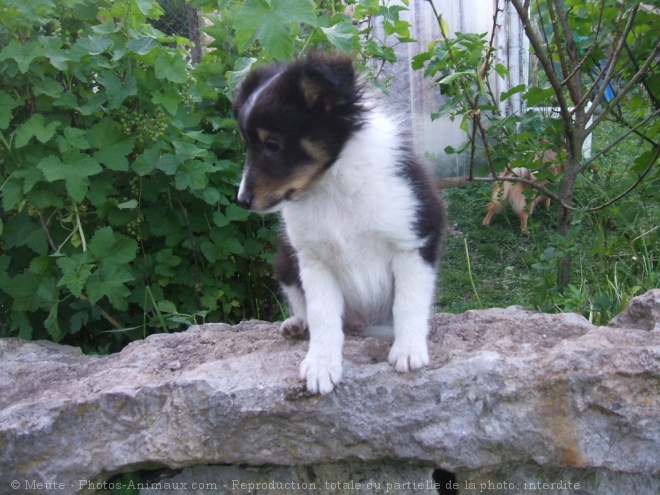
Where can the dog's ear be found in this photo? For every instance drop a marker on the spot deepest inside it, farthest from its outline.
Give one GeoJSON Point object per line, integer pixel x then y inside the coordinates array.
{"type": "Point", "coordinates": [327, 81]}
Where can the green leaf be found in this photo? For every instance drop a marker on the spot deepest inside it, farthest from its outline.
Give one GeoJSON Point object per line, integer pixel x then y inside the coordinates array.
{"type": "Point", "coordinates": [219, 219]}
{"type": "Point", "coordinates": [128, 205]}
{"type": "Point", "coordinates": [116, 89]}
{"type": "Point", "coordinates": [21, 230]}
{"type": "Point", "coordinates": [444, 27]}
{"type": "Point", "coordinates": [270, 23]}
{"type": "Point", "coordinates": [342, 35]}
{"type": "Point", "coordinates": [146, 162]}
{"type": "Point", "coordinates": [42, 265]}
{"type": "Point", "coordinates": [23, 54]}
{"type": "Point", "coordinates": [170, 98]}
{"type": "Point", "coordinates": [74, 274]}
{"type": "Point", "coordinates": [211, 196]}
{"type": "Point", "coordinates": [166, 262]}
{"type": "Point", "coordinates": [12, 192]}
{"type": "Point", "coordinates": [242, 67]}
{"type": "Point", "coordinates": [420, 59]}
{"type": "Point", "coordinates": [110, 281]}
{"type": "Point", "coordinates": [236, 214]}
{"type": "Point", "coordinates": [7, 104]}
{"type": "Point", "coordinates": [501, 70]}
{"type": "Point", "coordinates": [167, 163]}
{"type": "Point", "coordinates": [143, 45]}
{"type": "Point", "coordinates": [72, 138]}
{"type": "Point", "coordinates": [112, 144]}
{"type": "Point", "coordinates": [47, 86]}
{"type": "Point", "coordinates": [454, 76]}
{"type": "Point", "coordinates": [53, 51]}
{"type": "Point", "coordinates": [536, 95]}
{"type": "Point", "coordinates": [515, 90]}
{"type": "Point", "coordinates": [31, 176]}
{"type": "Point", "coordinates": [74, 170]}
{"type": "Point", "coordinates": [171, 67]}
{"type": "Point", "coordinates": [191, 175]}
{"type": "Point", "coordinates": [642, 161]}
{"type": "Point", "coordinates": [92, 105]}
{"type": "Point", "coordinates": [112, 248]}
{"type": "Point", "coordinates": [114, 156]}
{"type": "Point", "coordinates": [107, 130]}
{"type": "Point", "coordinates": [230, 245]}
{"type": "Point", "coordinates": [22, 289]}
{"type": "Point", "coordinates": [92, 45]}
{"type": "Point", "coordinates": [108, 27]}
{"type": "Point", "coordinates": [35, 126]}
{"type": "Point", "coordinates": [150, 8]}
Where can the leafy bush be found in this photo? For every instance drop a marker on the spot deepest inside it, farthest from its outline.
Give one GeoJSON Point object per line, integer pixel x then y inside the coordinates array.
{"type": "Point", "coordinates": [118, 176]}
{"type": "Point", "coordinates": [120, 162]}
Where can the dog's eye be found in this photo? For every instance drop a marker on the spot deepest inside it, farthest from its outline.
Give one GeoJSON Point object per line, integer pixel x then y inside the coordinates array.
{"type": "Point", "coordinates": [272, 146]}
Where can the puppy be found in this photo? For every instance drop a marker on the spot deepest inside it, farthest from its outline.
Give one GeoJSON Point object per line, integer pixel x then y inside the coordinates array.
{"type": "Point", "coordinates": [513, 193]}
{"type": "Point", "coordinates": [362, 219]}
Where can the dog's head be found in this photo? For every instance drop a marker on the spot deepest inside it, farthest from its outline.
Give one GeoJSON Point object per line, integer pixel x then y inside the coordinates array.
{"type": "Point", "coordinates": [294, 119]}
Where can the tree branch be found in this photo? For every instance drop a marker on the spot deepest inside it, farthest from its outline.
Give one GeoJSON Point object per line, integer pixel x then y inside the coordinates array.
{"type": "Point", "coordinates": [565, 70]}
{"type": "Point", "coordinates": [623, 136]}
{"type": "Point", "coordinates": [533, 184]}
{"type": "Point", "coordinates": [193, 244]}
{"type": "Point", "coordinates": [632, 187]}
{"type": "Point", "coordinates": [587, 56]}
{"type": "Point", "coordinates": [44, 226]}
{"type": "Point", "coordinates": [626, 89]}
{"type": "Point", "coordinates": [546, 62]}
{"type": "Point", "coordinates": [608, 71]}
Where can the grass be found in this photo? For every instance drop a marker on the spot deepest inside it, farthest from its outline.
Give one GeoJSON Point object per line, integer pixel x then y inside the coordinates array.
{"type": "Point", "coordinates": [615, 252]}
{"type": "Point", "coordinates": [500, 256]}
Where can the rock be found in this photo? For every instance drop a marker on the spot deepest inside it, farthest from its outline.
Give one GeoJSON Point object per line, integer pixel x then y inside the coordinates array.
{"type": "Point", "coordinates": [510, 396]}
{"type": "Point", "coordinates": [642, 313]}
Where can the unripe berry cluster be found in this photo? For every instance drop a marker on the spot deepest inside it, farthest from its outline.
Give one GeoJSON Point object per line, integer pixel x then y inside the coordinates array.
{"type": "Point", "coordinates": [146, 129]}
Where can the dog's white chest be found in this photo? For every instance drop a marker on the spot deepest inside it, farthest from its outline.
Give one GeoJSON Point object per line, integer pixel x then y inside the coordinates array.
{"type": "Point", "coordinates": [358, 255]}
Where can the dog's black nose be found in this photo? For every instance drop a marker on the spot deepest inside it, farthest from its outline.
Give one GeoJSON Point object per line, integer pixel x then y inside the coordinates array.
{"type": "Point", "coordinates": [244, 200]}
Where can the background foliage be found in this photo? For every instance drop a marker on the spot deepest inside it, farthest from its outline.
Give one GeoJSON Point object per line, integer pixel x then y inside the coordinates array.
{"type": "Point", "coordinates": [120, 161]}
{"type": "Point", "coordinates": [596, 63]}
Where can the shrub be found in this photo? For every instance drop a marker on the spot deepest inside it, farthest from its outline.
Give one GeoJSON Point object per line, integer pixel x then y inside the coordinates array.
{"type": "Point", "coordinates": [118, 175]}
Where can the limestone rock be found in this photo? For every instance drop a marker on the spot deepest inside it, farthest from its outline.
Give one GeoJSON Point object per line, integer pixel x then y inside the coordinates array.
{"type": "Point", "coordinates": [642, 313]}
{"type": "Point", "coordinates": [508, 391]}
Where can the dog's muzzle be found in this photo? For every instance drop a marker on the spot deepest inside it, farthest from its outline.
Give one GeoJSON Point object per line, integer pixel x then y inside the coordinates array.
{"type": "Point", "coordinates": [244, 197]}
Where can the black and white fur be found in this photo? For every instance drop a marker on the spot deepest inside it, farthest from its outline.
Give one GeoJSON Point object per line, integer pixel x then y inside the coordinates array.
{"type": "Point", "coordinates": [363, 221]}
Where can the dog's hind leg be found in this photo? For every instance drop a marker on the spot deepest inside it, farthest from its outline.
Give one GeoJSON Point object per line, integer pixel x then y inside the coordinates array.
{"type": "Point", "coordinates": [414, 282]}
{"type": "Point", "coordinates": [524, 217]}
{"type": "Point", "coordinates": [492, 209]}
{"type": "Point", "coordinates": [287, 272]}
{"type": "Point", "coordinates": [295, 327]}
{"type": "Point", "coordinates": [498, 197]}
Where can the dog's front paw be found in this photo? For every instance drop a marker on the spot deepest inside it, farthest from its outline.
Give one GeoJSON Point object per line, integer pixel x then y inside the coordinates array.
{"type": "Point", "coordinates": [407, 357]}
{"type": "Point", "coordinates": [321, 372]}
{"type": "Point", "coordinates": [294, 328]}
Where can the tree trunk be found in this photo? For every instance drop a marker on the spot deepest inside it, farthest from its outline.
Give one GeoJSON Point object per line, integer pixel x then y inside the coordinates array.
{"type": "Point", "coordinates": [574, 140]}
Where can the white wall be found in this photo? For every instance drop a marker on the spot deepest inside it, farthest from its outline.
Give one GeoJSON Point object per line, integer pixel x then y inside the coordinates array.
{"type": "Point", "coordinates": [413, 97]}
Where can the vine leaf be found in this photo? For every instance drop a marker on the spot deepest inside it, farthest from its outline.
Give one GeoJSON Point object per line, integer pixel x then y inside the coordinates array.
{"type": "Point", "coordinates": [35, 126]}
{"type": "Point", "coordinates": [74, 170]}
{"type": "Point", "coordinates": [270, 23]}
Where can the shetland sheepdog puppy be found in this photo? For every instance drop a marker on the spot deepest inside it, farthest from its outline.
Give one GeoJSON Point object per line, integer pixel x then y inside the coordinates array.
{"type": "Point", "coordinates": [362, 219]}
{"type": "Point", "coordinates": [519, 195]}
